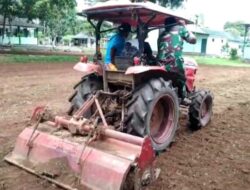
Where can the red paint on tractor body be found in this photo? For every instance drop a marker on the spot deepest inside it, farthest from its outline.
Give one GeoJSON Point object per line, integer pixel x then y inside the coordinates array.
{"type": "Point", "coordinates": [147, 155]}
{"type": "Point", "coordinates": [88, 68]}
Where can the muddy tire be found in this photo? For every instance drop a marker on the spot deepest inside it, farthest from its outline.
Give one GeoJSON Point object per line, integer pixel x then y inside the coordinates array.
{"type": "Point", "coordinates": [83, 90]}
{"type": "Point", "coordinates": [154, 111]}
{"type": "Point", "coordinates": [200, 110]}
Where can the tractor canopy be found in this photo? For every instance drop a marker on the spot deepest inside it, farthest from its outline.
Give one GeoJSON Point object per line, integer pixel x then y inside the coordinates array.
{"type": "Point", "coordinates": [132, 13]}
{"type": "Point", "coordinates": [144, 16]}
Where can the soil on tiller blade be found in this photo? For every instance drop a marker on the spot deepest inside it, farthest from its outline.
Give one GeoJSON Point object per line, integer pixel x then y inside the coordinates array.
{"type": "Point", "coordinates": [216, 157]}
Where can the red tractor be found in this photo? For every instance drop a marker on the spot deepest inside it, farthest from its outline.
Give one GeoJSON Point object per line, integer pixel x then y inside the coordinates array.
{"type": "Point", "coordinates": [152, 102]}
{"type": "Point", "coordinates": [118, 120]}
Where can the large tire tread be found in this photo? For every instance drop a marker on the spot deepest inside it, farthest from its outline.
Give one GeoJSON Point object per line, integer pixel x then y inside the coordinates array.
{"type": "Point", "coordinates": [138, 106]}
{"type": "Point", "coordinates": [197, 100]}
{"type": "Point", "coordinates": [83, 90]}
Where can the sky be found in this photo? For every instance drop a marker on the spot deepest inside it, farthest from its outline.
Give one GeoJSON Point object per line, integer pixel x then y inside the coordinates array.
{"type": "Point", "coordinates": [216, 12]}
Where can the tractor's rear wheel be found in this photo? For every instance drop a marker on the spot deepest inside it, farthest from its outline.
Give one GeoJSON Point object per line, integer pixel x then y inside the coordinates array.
{"type": "Point", "coordinates": [154, 111]}
{"type": "Point", "coordinates": [200, 110]}
{"type": "Point", "coordinates": [83, 90]}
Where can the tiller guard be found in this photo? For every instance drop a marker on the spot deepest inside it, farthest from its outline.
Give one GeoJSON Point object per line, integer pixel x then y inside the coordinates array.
{"type": "Point", "coordinates": [104, 159]}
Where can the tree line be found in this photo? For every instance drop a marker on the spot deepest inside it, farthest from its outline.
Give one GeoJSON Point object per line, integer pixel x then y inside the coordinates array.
{"type": "Point", "coordinates": [57, 16]}
{"type": "Point", "coordinates": [236, 28]}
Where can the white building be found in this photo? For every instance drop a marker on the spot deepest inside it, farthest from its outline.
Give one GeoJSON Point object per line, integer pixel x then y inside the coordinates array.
{"type": "Point", "coordinates": [201, 45]}
{"type": "Point", "coordinates": [209, 42]}
{"type": "Point", "coordinates": [198, 48]}
{"type": "Point", "coordinates": [247, 51]}
{"type": "Point", "coordinates": [20, 32]}
{"type": "Point", "coordinates": [83, 40]}
{"type": "Point", "coordinates": [215, 42]}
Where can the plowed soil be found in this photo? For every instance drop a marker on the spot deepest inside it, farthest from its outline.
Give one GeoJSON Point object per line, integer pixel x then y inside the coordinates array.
{"type": "Point", "coordinates": [216, 157]}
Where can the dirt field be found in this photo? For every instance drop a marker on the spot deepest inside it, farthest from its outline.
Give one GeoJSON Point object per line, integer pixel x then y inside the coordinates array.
{"type": "Point", "coordinates": [216, 157]}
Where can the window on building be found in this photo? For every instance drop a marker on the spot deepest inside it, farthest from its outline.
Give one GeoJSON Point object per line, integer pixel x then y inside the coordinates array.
{"type": "Point", "coordinates": [222, 41]}
{"type": "Point", "coordinates": [6, 32]}
{"type": "Point", "coordinates": [213, 40]}
{"type": "Point", "coordinates": [1, 31]}
{"type": "Point", "coordinates": [85, 42]}
{"type": "Point", "coordinates": [25, 32]}
{"type": "Point", "coordinates": [15, 32]}
{"type": "Point", "coordinates": [36, 33]}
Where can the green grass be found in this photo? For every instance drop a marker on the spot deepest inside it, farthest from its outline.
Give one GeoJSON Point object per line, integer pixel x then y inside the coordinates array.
{"type": "Point", "coordinates": [220, 61]}
{"type": "Point", "coordinates": [22, 59]}
{"type": "Point", "coordinates": [12, 59]}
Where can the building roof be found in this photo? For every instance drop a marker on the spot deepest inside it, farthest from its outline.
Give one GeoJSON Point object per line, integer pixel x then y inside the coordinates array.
{"type": "Point", "coordinates": [206, 31]}
{"type": "Point", "coordinates": [23, 22]}
{"type": "Point", "coordinates": [216, 33]}
{"type": "Point", "coordinates": [196, 29]}
{"type": "Point", "coordinates": [81, 35]}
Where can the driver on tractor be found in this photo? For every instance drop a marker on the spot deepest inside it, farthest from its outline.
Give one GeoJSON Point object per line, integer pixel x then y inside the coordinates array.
{"type": "Point", "coordinates": [170, 45]}
{"type": "Point", "coordinates": [116, 45]}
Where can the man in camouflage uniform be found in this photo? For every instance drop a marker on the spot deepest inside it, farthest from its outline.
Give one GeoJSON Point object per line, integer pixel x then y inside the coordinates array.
{"type": "Point", "coordinates": [170, 45]}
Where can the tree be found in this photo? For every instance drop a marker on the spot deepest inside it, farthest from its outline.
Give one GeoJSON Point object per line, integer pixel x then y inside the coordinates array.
{"type": "Point", "coordinates": [169, 3]}
{"type": "Point", "coordinates": [165, 3]}
{"type": "Point", "coordinates": [9, 9]}
{"type": "Point", "coordinates": [234, 54]}
{"type": "Point", "coordinates": [233, 31]}
{"type": "Point", "coordinates": [235, 27]}
{"type": "Point", "coordinates": [71, 22]}
{"type": "Point", "coordinates": [58, 16]}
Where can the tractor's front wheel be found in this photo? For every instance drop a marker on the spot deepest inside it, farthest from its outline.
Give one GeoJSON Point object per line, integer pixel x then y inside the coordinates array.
{"type": "Point", "coordinates": [154, 111]}
{"type": "Point", "coordinates": [200, 110]}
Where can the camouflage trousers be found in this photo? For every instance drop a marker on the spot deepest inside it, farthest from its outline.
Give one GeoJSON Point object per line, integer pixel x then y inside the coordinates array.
{"type": "Point", "coordinates": [177, 66]}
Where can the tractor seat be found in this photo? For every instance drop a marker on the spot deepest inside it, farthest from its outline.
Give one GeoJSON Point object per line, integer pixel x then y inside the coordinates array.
{"type": "Point", "coordinates": [123, 62]}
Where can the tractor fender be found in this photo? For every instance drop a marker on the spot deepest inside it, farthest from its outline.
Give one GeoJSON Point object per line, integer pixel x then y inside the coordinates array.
{"type": "Point", "coordinates": [88, 68]}
{"type": "Point", "coordinates": [190, 63]}
{"type": "Point", "coordinates": [190, 66]}
{"type": "Point", "coordinates": [142, 73]}
{"type": "Point", "coordinates": [159, 71]}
